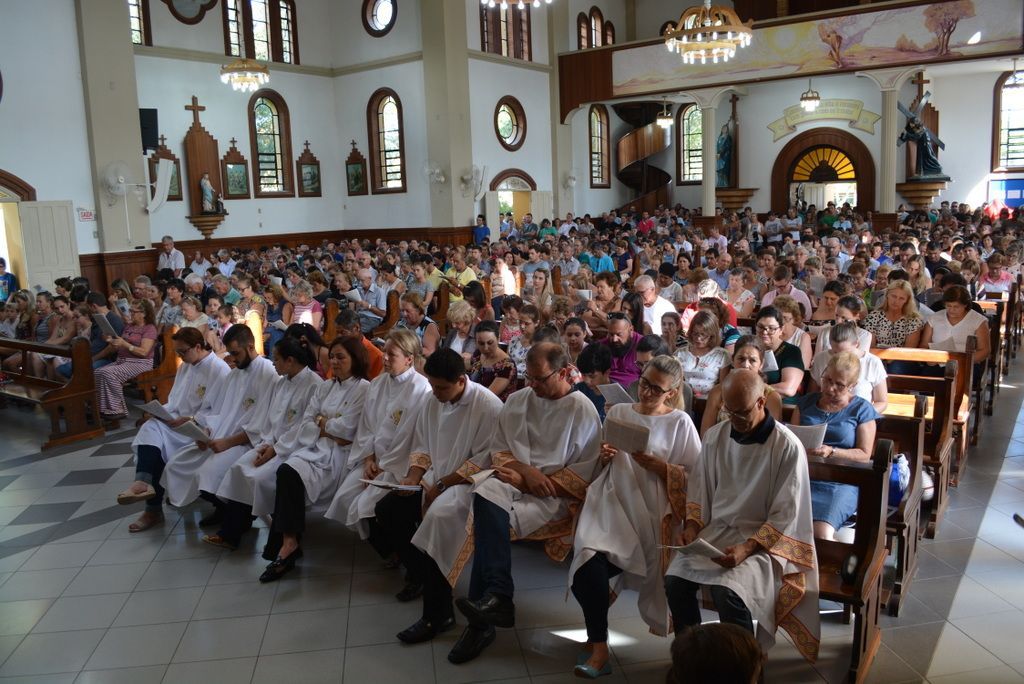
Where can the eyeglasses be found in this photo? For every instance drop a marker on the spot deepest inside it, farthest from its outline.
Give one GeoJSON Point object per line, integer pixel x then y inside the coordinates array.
{"type": "Point", "coordinates": [770, 330]}
{"type": "Point", "coordinates": [648, 386]}
{"type": "Point", "coordinates": [537, 381]}
{"type": "Point", "coordinates": [742, 413]}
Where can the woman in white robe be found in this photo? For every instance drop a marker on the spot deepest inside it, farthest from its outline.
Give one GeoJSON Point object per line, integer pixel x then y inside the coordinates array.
{"type": "Point", "coordinates": [195, 392]}
{"type": "Point", "coordinates": [383, 439]}
{"type": "Point", "coordinates": [631, 509]}
{"type": "Point", "coordinates": [306, 464]}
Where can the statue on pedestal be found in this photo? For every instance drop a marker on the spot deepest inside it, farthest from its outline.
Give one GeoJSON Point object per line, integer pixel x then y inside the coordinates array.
{"type": "Point", "coordinates": [723, 166]}
{"type": "Point", "coordinates": [927, 167]}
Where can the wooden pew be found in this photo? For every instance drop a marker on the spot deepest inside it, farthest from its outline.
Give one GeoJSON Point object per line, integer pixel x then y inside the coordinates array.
{"type": "Point", "coordinates": [556, 280]}
{"type": "Point", "coordinates": [440, 315]}
{"type": "Point", "coordinates": [331, 320]}
{"type": "Point", "coordinates": [155, 384]}
{"type": "Point", "coordinates": [903, 526]}
{"type": "Point", "coordinates": [862, 593]}
{"type": "Point", "coordinates": [73, 406]}
{"type": "Point", "coordinates": [391, 315]}
{"type": "Point", "coordinates": [999, 343]}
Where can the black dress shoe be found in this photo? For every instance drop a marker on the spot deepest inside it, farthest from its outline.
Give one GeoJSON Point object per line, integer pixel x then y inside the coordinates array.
{"type": "Point", "coordinates": [280, 567]}
{"type": "Point", "coordinates": [471, 644]}
{"type": "Point", "coordinates": [491, 610]}
{"type": "Point", "coordinates": [411, 592]}
{"type": "Point", "coordinates": [213, 518]}
{"type": "Point", "coordinates": [425, 630]}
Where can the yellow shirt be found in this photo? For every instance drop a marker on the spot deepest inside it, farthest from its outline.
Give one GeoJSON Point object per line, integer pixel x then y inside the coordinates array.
{"type": "Point", "coordinates": [463, 279]}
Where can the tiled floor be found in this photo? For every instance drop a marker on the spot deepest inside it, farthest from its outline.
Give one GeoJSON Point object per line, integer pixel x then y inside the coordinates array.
{"type": "Point", "coordinates": [82, 600]}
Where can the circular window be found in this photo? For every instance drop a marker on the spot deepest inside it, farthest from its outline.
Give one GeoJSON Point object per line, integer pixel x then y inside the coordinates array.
{"type": "Point", "coordinates": [510, 123]}
{"type": "Point", "coordinates": [379, 16]}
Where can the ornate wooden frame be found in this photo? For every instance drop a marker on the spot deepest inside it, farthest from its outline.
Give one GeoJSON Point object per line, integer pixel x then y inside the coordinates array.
{"type": "Point", "coordinates": [517, 109]}
{"type": "Point", "coordinates": [234, 157]}
{"type": "Point", "coordinates": [308, 159]}
{"type": "Point", "coordinates": [857, 151]}
{"type": "Point", "coordinates": [19, 186]}
{"type": "Point", "coordinates": [163, 152]}
{"type": "Point", "coordinates": [355, 160]}
{"type": "Point", "coordinates": [205, 7]}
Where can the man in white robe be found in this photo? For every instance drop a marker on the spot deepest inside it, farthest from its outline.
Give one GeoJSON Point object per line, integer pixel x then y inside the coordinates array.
{"type": "Point", "coordinates": [750, 497]}
{"type": "Point", "coordinates": [544, 453]}
{"type": "Point", "coordinates": [244, 400]}
{"type": "Point", "coordinates": [281, 409]}
{"type": "Point", "coordinates": [196, 387]}
{"type": "Point", "coordinates": [451, 441]}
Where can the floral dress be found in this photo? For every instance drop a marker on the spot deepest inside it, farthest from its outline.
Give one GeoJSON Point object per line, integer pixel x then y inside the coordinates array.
{"type": "Point", "coordinates": [485, 375]}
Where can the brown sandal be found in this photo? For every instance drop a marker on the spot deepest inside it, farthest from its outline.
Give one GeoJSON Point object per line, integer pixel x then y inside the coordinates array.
{"type": "Point", "coordinates": [146, 521]}
{"type": "Point", "coordinates": [128, 497]}
{"type": "Point", "coordinates": [217, 540]}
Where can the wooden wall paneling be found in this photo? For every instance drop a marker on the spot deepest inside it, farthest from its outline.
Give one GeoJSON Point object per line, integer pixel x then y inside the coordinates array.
{"type": "Point", "coordinates": [91, 267]}
{"type": "Point", "coordinates": [584, 76]}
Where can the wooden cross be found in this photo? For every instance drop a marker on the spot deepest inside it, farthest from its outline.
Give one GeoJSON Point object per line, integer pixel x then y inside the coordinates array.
{"type": "Point", "coordinates": [195, 108]}
{"type": "Point", "coordinates": [353, 143]}
{"type": "Point", "coordinates": [306, 144]}
{"type": "Point", "coordinates": [163, 140]}
{"type": "Point", "coordinates": [920, 81]}
{"type": "Point", "coordinates": [232, 141]}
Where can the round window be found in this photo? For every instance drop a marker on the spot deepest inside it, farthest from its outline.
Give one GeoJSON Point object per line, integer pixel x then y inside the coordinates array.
{"type": "Point", "coordinates": [379, 16]}
{"type": "Point", "coordinates": [510, 123]}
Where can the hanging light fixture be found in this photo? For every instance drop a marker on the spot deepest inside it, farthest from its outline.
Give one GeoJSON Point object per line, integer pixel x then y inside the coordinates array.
{"type": "Point", "coordinates": [810, 99]}
{"type": "Point", "coordinates": [665, 117]}
{"type": "Point", "coordinates": [520, 4]}
{"type": "Point", "coordinates": [707, 32]}
{"type": "Point", "coordinates": [245, 75]}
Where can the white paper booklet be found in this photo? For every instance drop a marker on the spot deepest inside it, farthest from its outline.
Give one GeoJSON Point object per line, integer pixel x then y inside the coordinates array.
{"type": "Point", "coordinates": [353, 296]}
{"type": "Point", "coordinates": [613, 393]}
{"type": "Point", "coordinates": [625, 436]}
{"type": "Point", "coordinates": [946, 345]}
{"type": "Point", "coordinates": [698, 547]}
{"type": "Point", "coordinates": [585, 295]}
{"type": "Point", "coordinates": [279, 325]}
{"type": "Point", "coordinates": [157, 410]}
{"type": "Point", "coordinates": [192, 430]}
{"type": "Point", "coordinates": [392, 486]}
{"type": "Point", "coordinates": [104, 325]}
{"type": "Point", "coordinates": [811, 436]}
{"type": "Point", "coordinates": [770, 362]}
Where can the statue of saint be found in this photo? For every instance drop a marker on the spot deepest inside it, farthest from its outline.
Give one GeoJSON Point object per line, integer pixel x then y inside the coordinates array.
{"type": "Point", "coordinates": [208, 195]}
{"type": "Point", "coordinates": [723, 167]}
{"type": "Point", "coordinates": [927, 162]}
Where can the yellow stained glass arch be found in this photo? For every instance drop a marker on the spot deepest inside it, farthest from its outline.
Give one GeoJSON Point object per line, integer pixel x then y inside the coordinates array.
{"type": "Point", "coordinates": [824, 165]}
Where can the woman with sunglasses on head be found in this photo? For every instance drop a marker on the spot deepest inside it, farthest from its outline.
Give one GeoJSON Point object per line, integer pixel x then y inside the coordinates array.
{"type": "Point", "coordinates": [619, 533]}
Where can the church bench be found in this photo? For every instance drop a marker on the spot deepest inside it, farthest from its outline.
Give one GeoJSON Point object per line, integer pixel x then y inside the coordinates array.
{"type": "Point", "coordinates": [391, 315]}
{"type": "Point", "coordinates": [556, 281]}
{"type": "Point", "coordinates": [903, 526]}
{"type": "Point", "coordinates": [999, 343]}
{"type": "Point", "coordinates": [485, 282]}
{"type": "Point", "coordinates": [440, 315]}
{"type": "Point", "coordinates": [155, 384]}
{"type": "Point", "coordinates": [73, 406]}
{"type": "Point", "coordinates": [331, 320]}
{"type": "Point", "coordinates": [860, 592]}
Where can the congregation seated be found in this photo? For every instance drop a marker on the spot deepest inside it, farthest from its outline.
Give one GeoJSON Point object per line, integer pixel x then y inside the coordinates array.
{"type": "Point", "coordinates": [490, 366]}
{"type": "Point", "coordinates": [871, 382]}
{"type": "Point", "coordinates": [784, 366]}
{"type": "Point", "coordinates": [748, 354]}
{"type": "Point", "coordinates": [704, 356]}
{"type": "Point", "coordinates": [414, 317]}
{"type": "Point", "coordinates": [575, 336]}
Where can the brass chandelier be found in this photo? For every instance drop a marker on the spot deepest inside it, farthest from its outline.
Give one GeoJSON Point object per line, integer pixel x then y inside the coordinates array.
{"type": "Point", "coordinates": [707, 32]}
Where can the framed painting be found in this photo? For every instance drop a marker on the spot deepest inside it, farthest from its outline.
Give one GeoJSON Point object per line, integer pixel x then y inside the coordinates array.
{"type": "Point", "coordinates": [307, 168]}
{"type": "Point", "coordinates": [235, 172]}
{"type": "Point", "coordinates": [162, 152]}
{"type": "Point", "coordinates": [355, 172]}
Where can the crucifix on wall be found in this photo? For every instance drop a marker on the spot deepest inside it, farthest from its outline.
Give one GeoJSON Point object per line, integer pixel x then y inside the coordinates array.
{"type": "Point", "coordinates": [203, 170]}
{"type": "Point", "coordinates": [926, 114]}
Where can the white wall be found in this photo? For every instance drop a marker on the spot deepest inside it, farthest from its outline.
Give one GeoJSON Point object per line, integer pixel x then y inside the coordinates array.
{"type": "Point", "coordinates": [612, 10]}
{"type": "Point", "coordinates": [351, 44]}
{"type": "Point", "coordinates": [43, 137]}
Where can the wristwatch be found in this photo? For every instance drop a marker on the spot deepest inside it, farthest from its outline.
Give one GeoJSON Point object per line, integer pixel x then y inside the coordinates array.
{"type": "Point", "coordinates": [440, 486]}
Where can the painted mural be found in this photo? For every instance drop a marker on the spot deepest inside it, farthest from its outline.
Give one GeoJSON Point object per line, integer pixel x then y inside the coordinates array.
{"type": "Point", "coordinates": [947, 31]}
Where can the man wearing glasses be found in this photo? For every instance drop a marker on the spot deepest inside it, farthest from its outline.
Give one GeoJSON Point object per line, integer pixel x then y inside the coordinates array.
{"type": "Point", "coordinates": [749, 496]}
{"type": "Point", "coordinates": [544, 452]}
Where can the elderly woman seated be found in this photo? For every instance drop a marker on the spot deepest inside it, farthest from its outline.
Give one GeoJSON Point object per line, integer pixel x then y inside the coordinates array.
{"type": "Point", "coordinates": [849, 434]}
{"type": "Point", "coordinates": [871, 384]}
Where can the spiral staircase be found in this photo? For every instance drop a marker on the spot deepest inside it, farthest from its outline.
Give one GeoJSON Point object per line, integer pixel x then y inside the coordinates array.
{"type": "Point", "coordinates": [650, 185]}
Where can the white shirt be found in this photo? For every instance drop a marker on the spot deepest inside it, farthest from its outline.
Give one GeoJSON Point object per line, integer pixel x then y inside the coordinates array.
{"type": "Point", "coordinates": [654, 312]}
{"type": "Point", "coordinates": [942, 330]}
{"type": "Point", "coordinates": [872, 372]}
{"type": "Point", "coordinates": [174, 261]}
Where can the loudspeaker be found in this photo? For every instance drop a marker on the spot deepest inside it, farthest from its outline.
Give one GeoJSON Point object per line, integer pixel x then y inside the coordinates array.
{"type": "Point", "coordinates": [150, 129]}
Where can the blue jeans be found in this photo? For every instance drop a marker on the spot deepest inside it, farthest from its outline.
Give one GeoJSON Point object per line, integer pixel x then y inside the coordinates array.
{"type": "Point", "coordinates": [492, 558]}
{"type": "Point", "coordinates": [64, 369]}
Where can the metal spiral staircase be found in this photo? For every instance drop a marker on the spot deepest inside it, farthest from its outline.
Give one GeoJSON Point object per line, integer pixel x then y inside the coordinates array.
{"type": "Point", "coordinates": [651, 186]}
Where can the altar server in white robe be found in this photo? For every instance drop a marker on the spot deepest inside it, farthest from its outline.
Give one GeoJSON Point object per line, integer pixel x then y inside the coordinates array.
{"type": "Point", "coordinates": [545, 451]}
{"type": "Point", "coordinates": [750, 497]}
{"type": "Point", "coordinates": [451, 442]}
{"type": "Point", "coordinates": [631, 510]}
{"type": "Point", "coordinates": [243, 404]}
{"type": "Point", "coordinates": [383, 439]}
{"type": "Point", "coordinates": [196, 388]}
{"type": "Point", "coordinates": [285, 404]}
{"type": "Point", "coordinates": [306, 464]}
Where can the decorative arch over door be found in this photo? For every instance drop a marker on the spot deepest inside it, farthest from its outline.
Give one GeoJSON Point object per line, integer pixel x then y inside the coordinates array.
{"type": "Point", "coordinates": [804, 144]}
{"type": "Point", "coordinates": [515, 175]}
{"type": "Point", "coordinates": [16, 185]}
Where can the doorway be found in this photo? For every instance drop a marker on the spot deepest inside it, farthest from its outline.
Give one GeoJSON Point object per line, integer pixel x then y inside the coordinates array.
{"type": "Point", "coordinates": [824, 174]}
{"type": "Point", "coordinates": [824, 164]}
{"type": "Point", "coordinates": [512, 190]}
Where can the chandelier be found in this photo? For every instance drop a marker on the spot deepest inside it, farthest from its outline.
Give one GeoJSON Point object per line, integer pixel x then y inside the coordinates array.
{"type": "Point", "coordinates": [491, 4]}
{"type": "Point", "coordinates": [708, 32]}
{"type": "Point", "coordinates": [810, 99]}
{"type": "Point", "coordinates": [246, 75]}
{"type": "Point", "coordinates": [665, 117]}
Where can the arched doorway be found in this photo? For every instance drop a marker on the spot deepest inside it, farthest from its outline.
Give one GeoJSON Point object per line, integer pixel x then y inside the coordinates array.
{"type": "Point", "coordinates": [512, 190]}
{"type": "Point", "coordinates": [824, 155]}
{"type": "Point", "coordinates": [13, 190]}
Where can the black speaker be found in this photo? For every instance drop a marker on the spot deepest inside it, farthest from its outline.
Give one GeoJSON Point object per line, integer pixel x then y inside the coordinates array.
{"type": "Point", "coordinates": [150, 129]}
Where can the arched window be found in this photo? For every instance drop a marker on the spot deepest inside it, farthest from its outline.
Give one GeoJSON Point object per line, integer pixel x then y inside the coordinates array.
{"type": "Point", "coordinates": [506, 31]}
{"type": "Point", "coordinates": [689, 146]}
{"type": "Point", "coordinates": [1008, 123]}
{"type": "Point", "coordinates": [270, 136]}
{"type": "Point", "coordinates": [387, 142]}
{"type": "Point", "coordinates": [596, 27]}
{"type": "Point", "coordinates": [138, 16]}
{"type": "Point", "coordinates": [600, 174]}
{"type": "Point", "coordinates": [379, 16]}
{"type": "Point", "coordinates": [266, 30]}
{"type": "Point", "coordinates": [609, 33]}
{"type": "Point", "coordinates": [582, 31]}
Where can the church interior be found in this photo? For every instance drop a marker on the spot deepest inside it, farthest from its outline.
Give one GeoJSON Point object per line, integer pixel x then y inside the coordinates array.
{"type": "Point", "coordinates": [243, 125]}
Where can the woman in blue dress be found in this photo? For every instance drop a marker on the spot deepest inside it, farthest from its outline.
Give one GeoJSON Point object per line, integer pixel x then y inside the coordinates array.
{"type": "Point", "coordinates": [850, 435]}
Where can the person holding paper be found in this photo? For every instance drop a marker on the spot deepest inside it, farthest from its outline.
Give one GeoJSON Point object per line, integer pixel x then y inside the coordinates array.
{"type": "Point", "coordinates": [621, 525]}
{"type": "Point", "coordinates": [241, 406]}
{"type": "Point", "coordinates": [951, 327]}
{"type": "Point", "coordinates": [381, 446]}
{"type": "Point", "coordinates": [544, 452]}
{"type": "Point", "coordinates": [784, 368]}
{"type": "Point", "coordinates": [850, 435]}
{"type": "Point", "coordinates": [451, 442]}
{"type": "Point", "coordinates": [134, 356]}
{"type": "Point", "coordinates": [749, 495]}
{"type": "Point", "coordinates": [195, 393]}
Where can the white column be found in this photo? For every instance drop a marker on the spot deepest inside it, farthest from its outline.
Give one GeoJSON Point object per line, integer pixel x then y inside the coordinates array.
{"type": "Point", "coordinates": [708, 100]}
{"type": "Point", "coordinates": [889, 82]}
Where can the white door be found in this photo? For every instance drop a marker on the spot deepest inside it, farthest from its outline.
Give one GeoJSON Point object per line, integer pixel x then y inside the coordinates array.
{"type": "Point", "coordinates": [493, 213]}
{"type": "Point", "coordinates": [51, 247]}
{"type": "Point", "coordinates": [542, 206]}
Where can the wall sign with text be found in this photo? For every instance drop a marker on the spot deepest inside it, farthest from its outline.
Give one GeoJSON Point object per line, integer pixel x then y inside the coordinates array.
{"type": "Point", "coordinates": [843, 110]}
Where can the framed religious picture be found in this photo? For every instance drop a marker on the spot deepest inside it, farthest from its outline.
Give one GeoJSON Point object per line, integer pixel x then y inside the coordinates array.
{"type": "Point", "coordinates": [162, 152]}
{"type": "Point", "coordinates": [355, 172]}
{"type": "Point", "coordinates": [307, 168]}
{"type": "Point", "coordinates": [235, 172]}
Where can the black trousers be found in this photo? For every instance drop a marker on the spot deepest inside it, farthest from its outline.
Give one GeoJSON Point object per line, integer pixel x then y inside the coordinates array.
{"type": "Point", "coordinates": [149, 468]}
{"type": "Point", "coordinates": [492, 558]}
{"type": "Point", "coordinates": [685, 609]}
{"type": "Point", "coordinates": [437, 593]}
{"type": "Point", "coordinates": [236, 521]}
{"type": "Point", "coordinates": [590, 587]}
{"type": "Point", "coordinates": [397, 518]}
{"type": "Point", "coordinates": [289, 509]}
